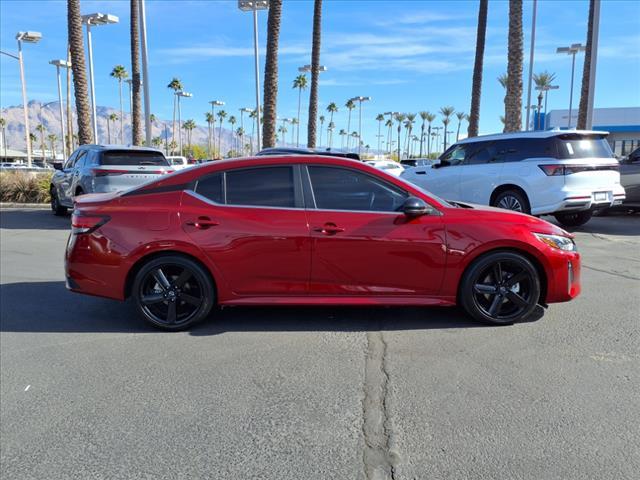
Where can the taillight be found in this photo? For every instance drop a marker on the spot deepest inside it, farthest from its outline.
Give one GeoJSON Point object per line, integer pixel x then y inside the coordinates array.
{"type": "Point", "coordinates": [554, 170]}
{"type": "Point", "coordinates": [87, 223]}
{"type": "Point", "coordinates": [99, 172]}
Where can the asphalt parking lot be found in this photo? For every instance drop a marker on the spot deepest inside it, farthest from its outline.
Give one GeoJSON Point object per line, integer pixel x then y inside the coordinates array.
{"type": "Point", "coordinates": [89, 391]}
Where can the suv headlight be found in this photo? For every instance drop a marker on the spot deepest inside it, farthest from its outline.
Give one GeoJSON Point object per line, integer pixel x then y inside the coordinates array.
{"type": "Point", "coordinates": [557, 241]}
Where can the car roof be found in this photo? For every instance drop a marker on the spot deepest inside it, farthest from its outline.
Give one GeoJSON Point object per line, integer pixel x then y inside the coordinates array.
{"type": "Point", "coordinates": [532, 134]}
{"type": "Point", "coordinates": [105, 148]}
{"type": "Point", "coordinates": [306, 151]}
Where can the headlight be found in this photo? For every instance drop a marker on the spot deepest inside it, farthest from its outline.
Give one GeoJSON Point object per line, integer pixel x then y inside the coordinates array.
{"type": "Point", "coordinates": [557, 241]}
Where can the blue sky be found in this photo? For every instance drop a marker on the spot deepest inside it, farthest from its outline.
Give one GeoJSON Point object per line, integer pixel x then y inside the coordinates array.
{"type": "Point", "coordinates": [408, 56]}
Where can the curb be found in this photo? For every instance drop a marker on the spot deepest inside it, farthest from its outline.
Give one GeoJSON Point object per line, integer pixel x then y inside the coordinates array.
{"type": "Point", "coordinates": [24, 205]}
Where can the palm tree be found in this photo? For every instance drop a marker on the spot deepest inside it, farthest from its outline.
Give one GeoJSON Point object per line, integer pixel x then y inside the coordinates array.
{"type": "Point", "coordinates": [423, 116]}
{"type": "Point", "coordinates": [513, 99]}
{"type": "Point", "coordinates": [80, 86]}
{"type": "Point", "coordinates": [119, 73]}
{"type": "Point", "coordinates": [410, 120]}
{"type": "Point", "coordinates": [330, 128]}
{"type": "Point", "coordinates": [476, 88]}
{"type": "Point", "coordinates": [315, 66]}
{"type": "Point", "coordinates": [586, 72]}
{"type": "Point", "coordinates": [232, 121]}
{"type": "Point", "coordinates": [136, 101]}
{"type": "Point", "coordinates": [342, 134]}
{"type": "Point", "coordinates": [389, 125]}
{"type": "Point", "coordinates": [379, 119]}
{"type": "Point", "coordinates": [446, 113]}
{"type": "Point", "coordinates": [40, 128]}
{"type": "Point", "coordinates": [502, 120]}
{"type": "Point", "coordinates": [210, 118]}
{"type": "Point", "coordinates": [399, 117]}
{"type": "Point", "coordinates": [189, 125]}
{"type": "Point", "coordinates": [32, 138]}
{"type": "Point", "coordinates": [3, 124]}
{"type": "Point", "coordinates": [331, 108]}
{"type": "Point", "coordinates": [52, 145]}
{"type": "Point", "coordinates": [111, 118]}
{"type": "Point", "coordinates": [461, 116]}
{"type": "Point", "coordinates": [430, 118]}
{"type": "Point", "coordinates": [300, 82]}
{"type": "Point", "coordinates": [350, 106]}
{"type": "Point", "coordinates": [176, 85]}
{"type": "Point", "coordinates": [543, 80]}
{"type": "Point", "coordinates": [254, 116]}
{"type": "Point", "coordinates": [221, 115]}
{"type": "Point", "coordinates": [240, 136]}
{"type": "Point", "coordinates": [295, 126]}
{"type": "Point", "coordinates": [283, 133]}
{"type": "Point", "coordinates": [321, 125]}
{"type": "Point", "coordinates": [172, 146]}
{"type": "Point", "coordinates": [271, 74]}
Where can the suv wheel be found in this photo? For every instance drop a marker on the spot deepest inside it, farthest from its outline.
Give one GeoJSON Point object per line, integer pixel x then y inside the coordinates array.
{"type": "Point", "coordinates": [574, 219]}
{"type": "Point", "coordinates": [512, 200]}
{"type": "Point", "coordinates": [173, 292]}
{"type": "Point", "coordinates": [55, 202]}
{"type": "Point", "coordinates": [500, 288]}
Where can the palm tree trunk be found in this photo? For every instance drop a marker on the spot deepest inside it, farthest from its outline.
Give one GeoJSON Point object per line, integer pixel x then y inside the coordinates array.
{"type": "Point", "coordinates": [121, 113]}
{"type": "Point", "coordinates": [315, 65]}
{"type": "Point", "coordinates": [458, 131]}
{"type": "Point", "coordinates": [173, 128]}
{"type": "Point", "coordinates": [76, 46]}
{"type": "Point", "coordinates": [429, 141]}
{"type": "Point", "coordinates": [109, 131]}
{"type": "Point", "coordinates": [69, 138]}
{"type": "Point", "coordinates": [220, 139]}
{"type": "Point", "coordinates": [586, 72]}
{"type": "Point", "coordinates": [298, 124]}
{"type": "Point", "coordinates": [513, 100]}
{"type": "Point", "coordinates": [136, 124]}
{"type": "Point", "coordinates": [271, 74]}
{"type": "Point", "coordinates": [476, 88]}
{"type": "Point", "coordinates": [349, 131]}
{"type": "Point", "coordinates": [421, 138]}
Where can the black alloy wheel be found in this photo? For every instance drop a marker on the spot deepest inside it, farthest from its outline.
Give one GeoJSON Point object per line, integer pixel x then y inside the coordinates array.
{"type": "Point", "coordinates": [173, 292]}
{"type": "Point", "coordinates": [500, 288]}
{"type": "Point", "coordinates": [512, 200]}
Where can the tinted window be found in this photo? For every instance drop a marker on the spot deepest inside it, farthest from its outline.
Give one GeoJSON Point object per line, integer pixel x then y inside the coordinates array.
{"type": "Point", "coordinates": [343, 189]}
{"type": "Point", "coordinates": [583, 146]}
{"type": "Point", "coordinates": [71, 159]}
{"type": "Point", "coordinates": [262, 187]}
{"type": "Point", "coordinates": [80, 159]}
{"type": "Point", "coordinates": [455, 155]}
{"type": "Point", "coordinates": [129, 157]}
{"type": "Point", "coordinates": [211, 187]}
{"type": "Point", "coordinates": [484, 152]}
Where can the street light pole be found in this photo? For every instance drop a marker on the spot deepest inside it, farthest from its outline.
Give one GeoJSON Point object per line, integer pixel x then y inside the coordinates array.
{"type": "Point", "coordinates": [58, 64]}
{"type": "Point", "coordinates": [181, 94]}
{"type": "Point", "coordinates": [89, 20]}
{"type": "Point", "coordinates": [360, 100]}
{"type": "Point", "coordinates": [389, 145]}
{"type": "Point", "coordinates": [145, 73]}
{"type": "Point", "coordinates": [254, 6]}
{"type": "Point", "coordinates": [214, 104]}
{"type": "Point", "coordinates": [572, 50]}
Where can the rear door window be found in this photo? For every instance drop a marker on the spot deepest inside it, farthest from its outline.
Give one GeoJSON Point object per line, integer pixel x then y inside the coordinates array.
{"type": "Point", "coordinates": [212, 187]}
{"type": "Point", "coordinates": [125, 158]}
{"type": "Point", "coordinates": [572, 146]}
{"type": "Point", "coordinates": [261, 187]}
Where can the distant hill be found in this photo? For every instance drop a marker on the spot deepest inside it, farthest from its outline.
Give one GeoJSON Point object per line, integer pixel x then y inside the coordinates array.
{"type": "Point", "coordinates": [50, 118]}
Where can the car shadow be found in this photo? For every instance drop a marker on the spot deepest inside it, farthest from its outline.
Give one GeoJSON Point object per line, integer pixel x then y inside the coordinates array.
{"type": "Point", "coordinates": [32, 219]}
{"type": "Point", "coordinates": [60, 311]}
{"type": "Point", "coordinates": [613, 223]}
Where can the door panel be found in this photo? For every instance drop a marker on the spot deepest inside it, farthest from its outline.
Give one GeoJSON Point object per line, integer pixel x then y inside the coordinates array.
{"type": "Point", "coordinates": [364, 253]}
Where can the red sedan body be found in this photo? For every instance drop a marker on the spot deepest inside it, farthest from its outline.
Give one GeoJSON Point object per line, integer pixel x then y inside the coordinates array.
{"type": "Point", "coordinates": [303, 254]}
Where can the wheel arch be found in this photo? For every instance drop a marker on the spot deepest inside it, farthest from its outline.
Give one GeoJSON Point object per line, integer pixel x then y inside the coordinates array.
{"type": "Point", "coordinates": [140, 262]}
{"type": "Point", "coordinates": [528, 255]}
{"type": "Point", "coordinates": [506, 187]}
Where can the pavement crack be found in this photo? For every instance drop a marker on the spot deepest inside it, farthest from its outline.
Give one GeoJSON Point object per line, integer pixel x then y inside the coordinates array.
{"type": "Point", "coordinates": [378, 456]}
{"type": "Point", "coordinates": [617, 274]}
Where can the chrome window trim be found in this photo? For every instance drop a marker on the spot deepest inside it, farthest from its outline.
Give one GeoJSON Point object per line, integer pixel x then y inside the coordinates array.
{"type": "Point", "coordinates": [223, 205]}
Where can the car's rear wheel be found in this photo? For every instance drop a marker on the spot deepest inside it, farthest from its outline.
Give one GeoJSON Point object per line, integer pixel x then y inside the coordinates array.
{"type": "Point", "coordinates": [173, 292]}
{"type": "Point", "coordinates": [56, 207]}
{"type": "Point", "coordinates": [574, 219]}
{"type": "Point", "coordinates": [512, 200]}
{"type": "Point", "coordinates": [500, 288]}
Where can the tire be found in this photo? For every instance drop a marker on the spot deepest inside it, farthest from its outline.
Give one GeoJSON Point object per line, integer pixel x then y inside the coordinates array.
{"type": "Point", "coordinates": [574, 219]}
{"type": "Point", "coordinates": [173, 292]}
{"type": "Point", "coordinates": [500, 288]}
{"type": "Point", "coordinates": [512, 200]}
{"type": "Point", "coordinates": [56, 208]}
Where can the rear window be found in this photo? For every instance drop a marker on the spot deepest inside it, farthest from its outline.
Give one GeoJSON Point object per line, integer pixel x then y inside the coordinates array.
{"type": "Point", "coordinates": [583, 146]}
{"type": "Point", "coordinates": [127, 158]}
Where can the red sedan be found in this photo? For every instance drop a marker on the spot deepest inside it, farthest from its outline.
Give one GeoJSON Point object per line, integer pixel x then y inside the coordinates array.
{"type": "Point", "coordinates": [310, 230]}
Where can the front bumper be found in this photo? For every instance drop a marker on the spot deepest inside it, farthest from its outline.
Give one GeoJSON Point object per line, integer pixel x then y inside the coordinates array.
{"type": "Point", "coordinates": [564, 276]}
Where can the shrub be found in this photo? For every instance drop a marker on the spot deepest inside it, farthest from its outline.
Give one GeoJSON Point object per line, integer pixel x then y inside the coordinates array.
{"type": "Point", "coordinates": [24, 187]}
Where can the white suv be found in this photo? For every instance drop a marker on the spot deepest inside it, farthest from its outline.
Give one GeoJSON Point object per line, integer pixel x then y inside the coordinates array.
{"type": "Point", "coordinates": [565, 173]}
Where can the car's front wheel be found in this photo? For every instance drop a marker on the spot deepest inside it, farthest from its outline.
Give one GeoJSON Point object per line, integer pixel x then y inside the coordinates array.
{"type": "Point", "coordinates": [512, 200]}
{"type": "Point", "coordinates": [173, 292]}
{"type": "Point", "coordinates": [56, 207]}
{"type": "Point", "coordinates": [500, 288]}
{"type": "Point", "coordinates": [574, 219]}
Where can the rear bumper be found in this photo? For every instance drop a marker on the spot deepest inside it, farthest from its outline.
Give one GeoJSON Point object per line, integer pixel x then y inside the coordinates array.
{"type": "Point", "coordinates": [578, 200]}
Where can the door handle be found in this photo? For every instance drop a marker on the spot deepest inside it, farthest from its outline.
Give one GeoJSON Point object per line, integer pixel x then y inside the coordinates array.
{"type": "Point", "coordinates": [329, 229]}
{"type": "Point", "coordinates": [202, 223]}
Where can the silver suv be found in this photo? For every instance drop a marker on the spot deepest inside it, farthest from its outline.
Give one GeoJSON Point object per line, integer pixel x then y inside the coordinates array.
{"type": "Point", "coordinates": [102, 169]}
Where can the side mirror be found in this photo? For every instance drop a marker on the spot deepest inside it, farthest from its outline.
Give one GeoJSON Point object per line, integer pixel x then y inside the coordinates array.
{"type": "Point", "coordinates": [57, 165]}
{"type": "Point", "coordinates": [442, 163]}
{"type": "Point", "coordinates": [415, 207]}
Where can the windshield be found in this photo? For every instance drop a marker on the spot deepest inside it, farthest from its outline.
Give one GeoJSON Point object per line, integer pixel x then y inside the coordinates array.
{"type": "Point", "coordinates": [128, 158]}
{"type": "Point", "coordinates": [573, 146]}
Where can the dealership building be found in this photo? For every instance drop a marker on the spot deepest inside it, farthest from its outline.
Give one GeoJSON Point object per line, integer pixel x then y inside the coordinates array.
{"type": "Point", "coordinates": [623, 125]}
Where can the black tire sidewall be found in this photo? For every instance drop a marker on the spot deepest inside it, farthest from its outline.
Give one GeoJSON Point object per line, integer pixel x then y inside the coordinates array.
{"type": "Point", "coordinates": [55, 203]}
{"type": "Point", "coordinates": [519, 195]}
{"type": "Point", "coordinates": [466, 294]}
{"type": "Point", "coordinates": [202, 276]}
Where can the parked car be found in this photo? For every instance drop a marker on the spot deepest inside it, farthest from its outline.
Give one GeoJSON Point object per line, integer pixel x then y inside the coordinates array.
{"type": "Point", "coordinates": [307, 151]}
{"type": "Point", "coordinates": [389, 166]}
{"type": "Point", "coordinates": [568, 174]}
{"type": "Point", "coordinates": [179, 162]}
{"type": "Point", "coordinates": [630, 180]}
{"type": "Point", "coordinates": [102, 169]}
{"type": "Point", "coordinates": [310, 230]}
{"type": "Point", "coordinates": [418, 162]}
